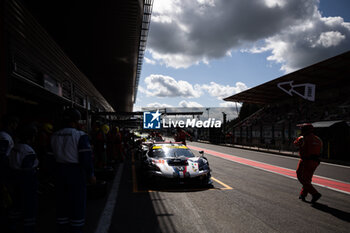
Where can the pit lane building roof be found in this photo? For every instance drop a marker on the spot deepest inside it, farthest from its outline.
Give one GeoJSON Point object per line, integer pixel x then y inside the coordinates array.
{"type": "Point", "coordinates": [325, 124]}
{"type": "Point", "coordinates": [105, 41]}
{"type": "Point", "coordinates": [330, 74]}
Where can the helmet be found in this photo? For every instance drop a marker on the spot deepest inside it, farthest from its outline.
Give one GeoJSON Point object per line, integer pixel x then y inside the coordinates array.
{"type": "Point", "coordinates": [306, 128]}
{"type": "Point", "coordinates": [105, 128]}
{"type": "Point", "coordinates": [48, 128]}
{"type": "Point", "coordinates": [71, 115]}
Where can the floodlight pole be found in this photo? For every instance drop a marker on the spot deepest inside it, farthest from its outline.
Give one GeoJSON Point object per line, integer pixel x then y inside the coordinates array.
{"type": "Point", "coordinates": [208, 119]}
{"type": "Point", "coordinates": [224, 121]}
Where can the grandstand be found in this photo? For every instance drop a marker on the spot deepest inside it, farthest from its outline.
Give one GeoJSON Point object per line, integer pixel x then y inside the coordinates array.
{"type": "Point", "coordinates": [318, 94]}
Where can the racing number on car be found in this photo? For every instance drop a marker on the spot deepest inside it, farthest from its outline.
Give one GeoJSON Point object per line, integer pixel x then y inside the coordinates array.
{"type": "Point", "coordinates": [180, 168]}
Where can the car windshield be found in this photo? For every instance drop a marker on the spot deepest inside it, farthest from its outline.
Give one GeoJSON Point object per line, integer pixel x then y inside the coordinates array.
{"type": "Point", "coordinates": [162, 151]}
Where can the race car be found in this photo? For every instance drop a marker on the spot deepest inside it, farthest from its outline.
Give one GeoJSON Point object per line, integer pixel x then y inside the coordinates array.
{"type": "Point", "coordinates": [175, 162]}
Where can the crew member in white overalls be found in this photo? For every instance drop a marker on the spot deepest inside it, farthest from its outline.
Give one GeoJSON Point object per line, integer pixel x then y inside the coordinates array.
{"type": "Point", "coordinates": [23, 163]}
{"type": "Point", "coordinates": [73, 155]}
{"type": "Point", "coordinates": [7, 130]}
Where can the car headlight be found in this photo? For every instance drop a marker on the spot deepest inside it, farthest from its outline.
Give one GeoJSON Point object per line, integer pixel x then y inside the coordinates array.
{"type": "Point", "coordinates": [203, 164]}
{"type": "Point", "coordinates": [153, 167]}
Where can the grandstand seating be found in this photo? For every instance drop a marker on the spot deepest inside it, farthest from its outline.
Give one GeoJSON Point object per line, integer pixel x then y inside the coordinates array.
{"type": "Point", "coordinates": [274, 126]}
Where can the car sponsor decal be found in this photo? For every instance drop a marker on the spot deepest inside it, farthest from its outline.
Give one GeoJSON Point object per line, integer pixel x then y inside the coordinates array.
{"type": "Point", "coordinates": [161, 161]}
{"type": "Point", "coordinates": [167, 146]}
{"type": "Point", "coordinates": [177, 172]}
{"type": "Point", "coordinates": [180, 168]}
{"type": "Point", "coordinates": [194, 167]}
{"type": "Point", "coordinates": [178, 147]}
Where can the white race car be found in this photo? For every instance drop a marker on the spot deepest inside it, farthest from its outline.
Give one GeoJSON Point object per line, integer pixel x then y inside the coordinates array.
{"type": "Point", "coordinates": [175, 162]}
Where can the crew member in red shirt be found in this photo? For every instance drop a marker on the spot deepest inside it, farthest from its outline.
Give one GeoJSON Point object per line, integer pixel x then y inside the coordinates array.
{"type": "Point", "coordinates": [310, 147]}
{"type": "Point", "coordinates": [180, 135]}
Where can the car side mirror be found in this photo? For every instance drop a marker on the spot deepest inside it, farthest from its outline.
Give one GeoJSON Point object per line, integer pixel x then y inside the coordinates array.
{"type": "Point", "coordinates": [201, 152]}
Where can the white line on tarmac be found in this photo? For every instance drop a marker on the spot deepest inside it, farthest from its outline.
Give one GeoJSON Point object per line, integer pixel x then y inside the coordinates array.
{"type": "Point", "coordinates": [106, 217]}
{"type": "Point", "coordinates": [281, 156]}
{"type": "Point", "coordinates": [297, 158]}
{"type": "Point", "coordinates": [291, 177]}
{"type": "Point", "coordinates": [198, 223]}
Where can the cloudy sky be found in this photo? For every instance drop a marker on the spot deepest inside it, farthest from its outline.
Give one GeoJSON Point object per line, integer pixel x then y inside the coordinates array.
{"type": "Point", "coordinates": [201, 51]}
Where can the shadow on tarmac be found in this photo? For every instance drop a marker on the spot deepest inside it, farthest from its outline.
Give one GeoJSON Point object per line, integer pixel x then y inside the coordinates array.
{"type": "Point", "coordinates": [134, 211]}
{"type": "Point", "coordinates": [142, 208]}
{"type": "Point", "coordinates": [47, 211]}
{"type": "Point", "coordinates": [345, 216]}
{"type": "Point", "coordinates": [141, 211]}
{"type": "Point", "coordinates": [177, 188]}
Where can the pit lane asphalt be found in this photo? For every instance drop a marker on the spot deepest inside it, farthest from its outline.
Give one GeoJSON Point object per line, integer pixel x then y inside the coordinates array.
{"type": "Point", "coordinates": [259, 201]}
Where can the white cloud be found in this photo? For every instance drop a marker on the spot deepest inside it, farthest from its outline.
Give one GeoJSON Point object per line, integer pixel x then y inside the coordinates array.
{"type": "Point", "coordinates": [142, 90]}
{"type": "Point", "coordinates": [275, 3]}
{"type": "Point", "coordinates": [206, 2]}
{"type": "Point", "coordinates": [164, 7]}
{"type": "Point", "coordinates": [220, 91]}
{"type": "Point", "coordinates": [137, 108]}
{"type": "Point", "coordinates": [178, 60]}
{"type": "Point", "coordinates": [159, 105]}
{"type": "Point", "coordinates": [186, 33]}
{"type": "Point", "coordinates": [149, 61]}
{"type": "Point", "coordinates": [329, 39]}
{"type": "Point", "coordinates": [230, 105]}
{"type": "Point", "coordinates": [189, 104]}
{"type": "Point", "coordinates": [166, 86]}
{"type": "Point", "coordinates": [316, 39]}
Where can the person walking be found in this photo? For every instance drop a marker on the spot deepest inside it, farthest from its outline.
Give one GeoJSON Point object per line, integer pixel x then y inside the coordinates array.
{"type": "Point", "coordinates": [73, 155]}
{"type": "Point", "coordinates": [310, 147]}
